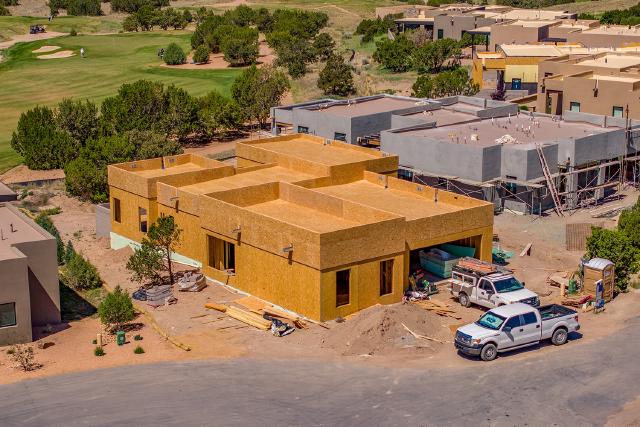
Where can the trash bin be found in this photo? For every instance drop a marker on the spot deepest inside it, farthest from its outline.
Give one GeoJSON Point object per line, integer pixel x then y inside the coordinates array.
{"type": "Point", "coordinates": [120, 338]}
{"type": "Point", "coordinates": [572, 286]}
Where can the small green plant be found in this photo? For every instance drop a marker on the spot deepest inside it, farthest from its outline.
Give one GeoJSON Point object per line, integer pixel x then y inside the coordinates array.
{"type": "Point", "coordinates": [99, 352]}
{"type": "Point", "coordinates": [174, 55]}
{"type": "Point", "coordinates": [73, 32]}
{"type": "Point", "coordinates": [94, 342]}
{"type": "Point", "coordinates": [10, 351]}
{"type": "Point", "coordinates": [138, 350]}
{"type": "Point", "coordinates": [137, 338]}
{"type": "Point", "coordinates": [116, 309]}
{"type": "Point", "coordinates": [78, 273]}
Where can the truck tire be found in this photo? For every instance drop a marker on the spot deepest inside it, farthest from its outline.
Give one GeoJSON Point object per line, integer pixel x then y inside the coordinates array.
{"type": "Point", "coordinates": [559, 336]}
{"type": "Point", "coordinates": [489, 352]}
{"type": "Point", "coordinates": [464, 300]}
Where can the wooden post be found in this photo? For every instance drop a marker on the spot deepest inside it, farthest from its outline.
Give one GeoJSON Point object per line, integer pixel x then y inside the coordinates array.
{"type": "Point", "coordinates": [99, 340]}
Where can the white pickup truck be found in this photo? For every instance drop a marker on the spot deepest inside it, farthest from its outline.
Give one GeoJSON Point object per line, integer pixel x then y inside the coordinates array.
{"type": "Point", "coordinates": [515, 326]}
{"type": "Point", "coordinates": [490, 289]}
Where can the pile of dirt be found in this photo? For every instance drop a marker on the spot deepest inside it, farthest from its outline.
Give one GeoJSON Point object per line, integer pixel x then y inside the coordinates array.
{"type": "Point", "coordinates": [379, 330]}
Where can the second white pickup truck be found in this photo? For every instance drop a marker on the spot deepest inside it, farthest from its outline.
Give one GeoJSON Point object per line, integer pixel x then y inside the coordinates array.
{"type": "Point", "coordinates": [515, 326]}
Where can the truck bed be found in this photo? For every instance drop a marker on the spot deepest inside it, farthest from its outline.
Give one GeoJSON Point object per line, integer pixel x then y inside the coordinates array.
{"type": "Point", "coordinates": [553, 311]}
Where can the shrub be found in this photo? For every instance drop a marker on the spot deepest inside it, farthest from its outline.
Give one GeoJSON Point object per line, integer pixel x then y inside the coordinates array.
{"type": "Point", "coordinates": [323, 45]}
{"type": "Point", "coordinates": [83, 7]}
{"type": "Point", "coordinates": [98, 351]}
{"type": "Point", "coordinates": [201, 54]}
{"type": "Point", "coordinates": [615, 246]}
{"type": "Point", "coordinates": [138, 350]}
{"type": "Point", "coordinates": [73, 32]}
{"type": "Point", "coordinates": [394, 55]}
{"type": "Point", "coordinates": [137, 338]}
{"type": "Point", "coordinates": [240, 46]}
{"type": "Point", "coordinates": [447, 83]}
{"type": "Point", "coordinates": [80, 273]}
{"type": "Point", "coordinates": [45, 222]}
{"type": "Point", "coordinates": [174, 55]}
{"type": "Point", "coordinates": [130, 23]}
{"type": "Point", "coordinates": [24, 356]}
{"type": "Point", "coordinates": [94, 342]}
{"type": "Point", "coordinates": [336, 77]}
{"type": "Point", "coordinates": [4, 11]}
{"type": "Point", "coordinates": [116, 309]}
{"type": "Point", "coordinates": [629, 223]}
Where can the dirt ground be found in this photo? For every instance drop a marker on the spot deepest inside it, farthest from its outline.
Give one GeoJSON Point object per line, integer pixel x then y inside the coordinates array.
{"type": "Point", "coordinates": [381, 335]}
{"type": "Point", "coordinates": [29, 38]}
{"type": "Point", "coordinates": [217, 61]}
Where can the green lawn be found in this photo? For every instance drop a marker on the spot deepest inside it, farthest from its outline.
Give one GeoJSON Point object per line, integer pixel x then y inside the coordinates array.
{"type": "Point", "coordinates": [14, 25]}
{"type": "Point", "coordinates": [111, 60]}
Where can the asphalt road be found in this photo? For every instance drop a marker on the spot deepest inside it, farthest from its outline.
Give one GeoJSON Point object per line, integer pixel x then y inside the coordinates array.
{"type": "Point", "coordinates": [578, 385]}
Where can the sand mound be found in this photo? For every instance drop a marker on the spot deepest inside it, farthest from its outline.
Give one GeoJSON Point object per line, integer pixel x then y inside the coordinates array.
{"type": "Point", "coordinates": [61, 54]}
{"type": "Point", "coordinates": [45, 49]}
{"type": "Point", "coordinates": [379, 330]}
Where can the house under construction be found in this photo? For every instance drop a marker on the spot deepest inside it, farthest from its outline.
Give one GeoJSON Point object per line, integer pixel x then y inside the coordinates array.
{"type": "Point", "coordinates": [320, 227]}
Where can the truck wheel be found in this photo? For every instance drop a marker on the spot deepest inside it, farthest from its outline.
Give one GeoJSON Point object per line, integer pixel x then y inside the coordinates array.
{"type": "Point", "coordinates": [559, 336]}
{"type": "Point", "coordinates": [489, 352]}
{"type": "Point", "coordinates": [464, 300]}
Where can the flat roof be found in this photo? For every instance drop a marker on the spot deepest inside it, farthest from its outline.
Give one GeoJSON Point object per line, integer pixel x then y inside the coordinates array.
{"type": "Point", "coordinates": [399, 202]}
{"type": "Point", "coordinates": [302, 216]}
{"type": "Point", "coordinates": [361, 107]}
{"type": "Point", "coordinates": [611, 61]}
{"type": "Point", "coordinates": [443, 116]}
{"type": "Point", "coordinates": [531, 24]}
{"type": "Point", "coordinates": [329, 155]}
{"type": "Point", "coordinates": [620, 30]}
{"type": "Point", "coordinates": [15, 230]}
{"type": "Point", "coordinates": [623, 79]}
{"type": "Point", "coordinates": [529, 14]}
{"type": "Point", "coordinates": [544, 50]}
{"type": "Point", "coordinates": [246, 179]}
{"type": "Point", "coordinates": [488, 131]}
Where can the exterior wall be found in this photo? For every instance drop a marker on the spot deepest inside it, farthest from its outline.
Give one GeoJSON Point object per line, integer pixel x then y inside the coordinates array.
{"type": "Point", "coordinates": [364, 284]}
{"type": "Point", "coordinates": [516, 34]}
{"type": "Point", "coordinates": [103, 220]}
{"type": "Point", "coordinates": [453, 26]}
{"type": "Point", "coordinates": [129, 220]}
{"type": "Point", "coordinates": [44, 288]}
{"type": "Point", "coordinates": [14, 287]}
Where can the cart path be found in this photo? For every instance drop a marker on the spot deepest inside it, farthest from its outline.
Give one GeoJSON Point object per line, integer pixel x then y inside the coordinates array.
{"type": "Point", "coordinates": [583, 384]}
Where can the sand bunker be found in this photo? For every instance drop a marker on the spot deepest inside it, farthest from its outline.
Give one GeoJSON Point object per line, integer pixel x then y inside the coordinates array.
{"type": "Point", "coordinates": [61, 54]}
{"type": "Point", "coordinates": [45, 49]}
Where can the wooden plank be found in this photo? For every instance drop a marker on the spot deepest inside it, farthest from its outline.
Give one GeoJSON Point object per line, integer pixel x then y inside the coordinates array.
{"type": "Point", "coordinates": [527, 249]}
{"type": "Point", "coordinates": [214, 306]}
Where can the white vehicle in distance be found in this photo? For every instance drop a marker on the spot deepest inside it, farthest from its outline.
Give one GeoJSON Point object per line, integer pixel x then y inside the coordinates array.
{"type": "Point", "coordinates": [515, 326]}
{"type": "Point", "coordinates": [487, 285]}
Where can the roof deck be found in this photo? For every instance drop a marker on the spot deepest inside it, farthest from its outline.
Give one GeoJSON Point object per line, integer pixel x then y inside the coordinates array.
{"type": "Point", "coordinates": [620, 30]}
{"type": "Point", "coordinates": [170, 165]}
{"type": "Point", "coordinates": [611, 61]}
{"type": "Point", "coordinates": [315, 150]}
{"type": "Point", "coordinates": [396, 201]}
{"type": "Point", "coordinates": [523, 128]}
{"type": "Point", "coordinates": [445, 116]}
{"type": "Point", "coordinates": [362, 107]}
{"type": "Point", "coordinates": [246, 179]}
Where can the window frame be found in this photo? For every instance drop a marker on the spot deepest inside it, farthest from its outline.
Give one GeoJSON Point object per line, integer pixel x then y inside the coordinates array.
{"type": "Point", "coordinates": [305, 131]}
{"type": "Point", "coordinates": [143, 226]}
{"type": "Point", "coordinates": [531, 315]}
{"type": "Point", "coordinates": [573, 104]}
{"type": "Point", "coordinates": [613, 111]}
{"type": "Point", "coordinates": [224, 257]}
{"type": "Point", "coordinates": [338, 135]}
{"type": "Point", "coordinates": [15, 315]}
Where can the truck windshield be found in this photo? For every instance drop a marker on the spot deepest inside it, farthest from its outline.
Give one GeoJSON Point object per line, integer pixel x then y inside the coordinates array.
{"type": "Point", "coordinates": [491, 321]}
{"type": "Point", "coordinates": [507, 285]}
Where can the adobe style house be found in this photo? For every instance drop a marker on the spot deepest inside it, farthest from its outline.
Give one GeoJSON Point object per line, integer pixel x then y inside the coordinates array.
{"type": "Point", "coordinates": [319, 227]}
{"type": "Point", "coordinates": [29, 289]}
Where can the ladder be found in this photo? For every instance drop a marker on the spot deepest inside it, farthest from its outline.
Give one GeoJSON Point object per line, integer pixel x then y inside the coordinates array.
{"type": "Point", "coordinates": [550, 183]}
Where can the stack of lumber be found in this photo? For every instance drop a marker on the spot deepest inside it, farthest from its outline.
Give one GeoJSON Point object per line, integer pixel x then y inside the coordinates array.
{"type": "Point", "coordinates": [439, 308]}
{"type": "Point", "coordinates": [260, 307]}
{"type": "Point", "coordinates": [438, 262]}
{"type": "Point", "coordinates": [576, 301]}
{"type": "Point", "coordinates": [244, 316]}
{"type": "Point", "coordinates": [476, 265]}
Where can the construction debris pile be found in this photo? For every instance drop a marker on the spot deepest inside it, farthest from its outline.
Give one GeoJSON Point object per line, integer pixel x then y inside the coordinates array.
{"type": "Point", "coordinates": [192, 282]}
{"type": "Point", "coordinates": [155, 296]}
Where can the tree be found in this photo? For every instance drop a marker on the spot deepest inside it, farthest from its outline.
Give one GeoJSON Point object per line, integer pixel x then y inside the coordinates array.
{"type": "Point", "coordinates": [83, 7]}
{"type": "Point", "coordinates": [147, 262]}
{"type": "Point", "coordinates": [180, 113]}
{"type": "Point", "coordinates": [323, 45]}
{"type": "Point", "coordinates": [240, 46]}
{"type": "Point", "coordinates": [431, 57]}
{"type": "Point", "coordinates": [139, 105]}
{"type": "Point", "coordinates": [629, 223]}
{"type": "Point", "coordinates": [130, 23]}
{"type": "Point", "coordinates": [217, 113]}
{"type": "Point", "coordinates": [201, 54]}
{"type": "Point", "coordinates": [45, 222]}
{"type": "Point", "coordinates": [336, 77]}
{"type": "Point", "coordinates": [615, 246]}
{"type": "Point", "coordinates": [116, 309]}
{"type": "Point", "coordinates": [394, 55]}
{"type": "Point", "coordinates": [79, 119]}
{"type": "Point", "coordinates": [257, 90]}
{"type": "Point", "coordinates": [174, 55]}
{"type": "Point", "coordinates": [447, 83]}
{"type": "Point", "coordinates": [4, 11]}
{"type": "Point", "coordinates": [78, 273]}
{"type": "Point", "coordinates": [39, 141]}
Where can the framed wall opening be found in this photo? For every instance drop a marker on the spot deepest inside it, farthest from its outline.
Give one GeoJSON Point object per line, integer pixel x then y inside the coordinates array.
{"type": "Point", "coordinates": [221, 254]}
{"type": "Point", "coordinates": [343, 287]}
{"type": "Point", "coordinates": [117, 213]}
{"type": "Point", "coordinates": [143, 219]}
{"type": "Point", "coordinates": [386, 277]}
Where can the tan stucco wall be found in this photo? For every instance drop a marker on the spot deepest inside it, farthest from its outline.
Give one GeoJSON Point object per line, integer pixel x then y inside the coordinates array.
{"type": "Point", "coordinates": [14, 288]}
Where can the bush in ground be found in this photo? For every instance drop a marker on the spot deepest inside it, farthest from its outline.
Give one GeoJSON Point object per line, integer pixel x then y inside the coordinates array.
{"type": "Point", "coordinates": [336, 77]}
{"type": "Point", "coordinates": [79, 273]}
{"type": "Point", "coordinates": [83, 7]}
{"type": "Point", "coordinates": [24, 357]}
{"type": "Point", "coordinates": [116, 309]}
{"type": "Point", "coordinates": [174, 55]}
{"type": "Point", "coordinates": [138, 350]}
{"type": "Point", "coordinates": [4, 11]}
{"type": "Point", "coordinates": [201, 54]}
{"type": "Point", "coordinates": [395, 55]}
{"type": "Point", "coordinates": [615, 246]}
{"type": "Point", "coordinates": [98, 351]}
{"type": "Point", "coordinates": [629, 224]}
{"type": "Point", "coordinates": [45, 222]}
{"type": "Point", "coordinates": [447, 83]}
